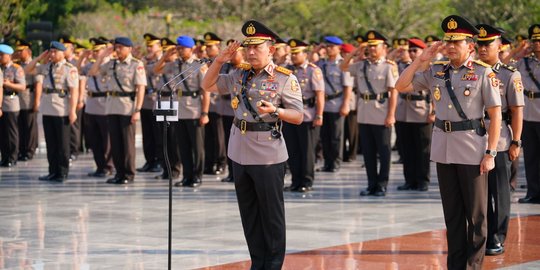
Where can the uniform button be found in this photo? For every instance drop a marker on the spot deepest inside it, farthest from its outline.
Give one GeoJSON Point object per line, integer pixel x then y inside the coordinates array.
{"type": "Point", "coordinates": [449, 106]}
{"type": "Point", "coordinates": [244, 114]}
{"type": "Point", "coordinates": [269, 138]}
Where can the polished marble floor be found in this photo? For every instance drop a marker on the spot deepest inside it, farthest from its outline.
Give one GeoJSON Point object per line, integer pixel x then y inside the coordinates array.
{"type": "Point", "coordinates": [87, 224]}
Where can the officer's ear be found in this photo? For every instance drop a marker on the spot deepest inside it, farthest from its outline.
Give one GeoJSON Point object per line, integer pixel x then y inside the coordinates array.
{"type": "Point", "coordinates": [272, 47]}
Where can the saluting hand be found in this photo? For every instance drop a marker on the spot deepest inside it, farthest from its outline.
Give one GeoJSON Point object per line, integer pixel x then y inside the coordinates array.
{"type": "Point", "coordinates": [431, 52]}
{"type": "Point", "coordinates": [44, 55]}
{"type": "Point", "coordinates": [227, 54]}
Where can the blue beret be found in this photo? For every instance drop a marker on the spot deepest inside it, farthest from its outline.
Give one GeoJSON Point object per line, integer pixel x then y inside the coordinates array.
{"type": "Point", "coordinates": [333, 40]}
{"type": "Point", "coordinates": [185, 41]}
{"type": "Point", "coordinates": [6, 49]}
{"type": "Point", "coordinates": [57, 45]}
{"type": "Point", "coordinates": [123, 41]}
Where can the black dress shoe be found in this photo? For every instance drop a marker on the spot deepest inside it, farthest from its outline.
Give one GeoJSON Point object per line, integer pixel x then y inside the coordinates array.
{"type": "Point", "coordinates": [112, 180]}
{"type": "Point", "coordinates": [493, 250]}
{"type": "Point", "coordinates": [327, 169]}
{"type": "Point", "coordinates": [123, 181]}
{"type": "Point", "coordinates": [59, 178]}
{"type": "Point", "coordinates": [303, 189]}
{"type": "Point", "coordinates": [23, 158]}
{"type": "Point", "coordinates": [181, 183]}
{"type": "Point", "coordinates": [155, 168]}
{"type": "Point", "coordinates": [367, 192]}
{"type": "Point", "coordinates": [72, 157]}
{"type": "Point", "coordinates": [144, 168]}
{"type": "Point", "coordinates": [290, 188]}
{"type": "Point", "coordinates": [195, 182]}
{"type": "Point", "coordinates": [529, 200]}
{"type": "Point", "coordinates": [406, 186]}
{"type": "Point", "coordinates": [423, 187]}
{"type": "Point", "coordinates": [8, 164]}
{"type": "Point", "coordinates": [99, 174]}
{"type": "Point", "coordinates": [47, 177]}
{"type": "Point", "coordinates": [227, 179]}
{"type": "Point", "coordinates": [379, 193]}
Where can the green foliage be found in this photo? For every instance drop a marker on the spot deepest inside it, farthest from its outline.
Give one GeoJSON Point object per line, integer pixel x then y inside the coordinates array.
{"type": "Point", "coordinates": [15, 13]}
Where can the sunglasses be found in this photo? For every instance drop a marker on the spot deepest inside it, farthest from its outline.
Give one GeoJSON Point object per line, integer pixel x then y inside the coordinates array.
{"type": "Point", "coordinates": [413, 50]}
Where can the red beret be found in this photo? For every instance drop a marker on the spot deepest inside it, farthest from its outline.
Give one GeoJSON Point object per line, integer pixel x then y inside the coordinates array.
{"type": "Point", "coordinates": [347, 47]}
{"type": "Point", "coordinates": [418, 43]}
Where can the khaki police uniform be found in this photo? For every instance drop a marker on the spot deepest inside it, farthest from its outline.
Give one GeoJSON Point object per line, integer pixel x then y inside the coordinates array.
{"type": "Point", "coordinates": [458, 154]}
{"type": "Point", "coordinates": [531, 124]}
{"type": "Point", "coordinates": [332, 129]}
{"type": "Point", "coordinates": [372, 111]}
{"type": "Point", "coordinates": [9, 128]}
{"type": "Point", "coordinates": [301, 138]}
{"type": "Point", "coordinates": [120, 106]}
{"type": "Point", "coordinates": [28, 128]}
{"type": "Point", "coordinates": [190, 141]}
{"type": "Point", "coordinates": [412, 114]}
{"type": "Point", "coordinates": [95, 123]}
{"type": "Point", "coordinates": [58, 79]}
{"type": "Point", "coordinates": [499, 196]}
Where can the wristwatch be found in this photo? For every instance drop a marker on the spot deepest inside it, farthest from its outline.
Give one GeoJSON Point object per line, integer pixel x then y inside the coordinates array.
{"type": "Point", "coordinates": [137, 110]}
{"type": "Point", "coordinates": [516, 143]}
{"type": "Point", "coordinates": [275, 114]}
{"type": "Point", "coordinates": [492, 153]}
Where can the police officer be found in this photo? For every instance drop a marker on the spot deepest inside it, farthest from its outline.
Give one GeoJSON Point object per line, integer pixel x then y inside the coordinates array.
{"type": "Point", "coordinates": [301, 138]}
{"type": "Point", "coordinates": [28, 132]}
{"type": "Point", "coordinates": [192, 112]}
{"type": "Point", "coordinates": [58, 86]}
{"type": "Point", "coordinates": [461, 89]}
{"type": "Point", "coordinates": [338, 89]}
{"type": "Point", "coordinates": [350, 127]}
{"type": "Point", "coordinates": [281, 57]}
{"type": "Point", "coordinates": [151, 131]}
{"type": "Point", "coordinates": [489, 44]}
{"type": "Point", "coordinates": [95, 123]}
{"type": "Point", "coordinates": [224, 105]}
{"type": "Point", "coordinates": [263, 96]}
{"type": "Point", "coordinates": [215, 157]}
{"type": "Point", "coordinates": [13, 83]}
{"type": "Point", "coordinates": [375, 78]}
{"type": "Point", "coordinates": [415, 114]}
{"type": "Point", "coordinates": [126, 80]}
{"type": "Point", "coordinates": [529, 67]}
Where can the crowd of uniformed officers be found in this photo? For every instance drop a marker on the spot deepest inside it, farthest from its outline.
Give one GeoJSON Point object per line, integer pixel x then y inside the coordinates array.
{"type": "Point", "coordinates": [464, 102]}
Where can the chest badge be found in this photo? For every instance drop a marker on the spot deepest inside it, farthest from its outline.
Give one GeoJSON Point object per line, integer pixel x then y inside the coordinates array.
{"type": "Point", "coordinates": [467, 92]}
{"type": "Point", "coordinates": [234, 103]}
{"type": "Point", "coordinates": [437, 93]}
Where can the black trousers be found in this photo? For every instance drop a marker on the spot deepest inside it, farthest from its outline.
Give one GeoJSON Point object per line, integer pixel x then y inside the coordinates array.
{"type": "Point", "coordinates": [498, 211]}
{"type": "Point", "coordinates": [464, 199]}
{"type": "Point", "coordinates": [227, 123]}
{"type": "Point", "coordinates": [173, 149]}
{"type": "Point", "coordinates": [214, 142]}
{"type": "Point", "coordinates": [531, 157]}
{"type": "Point", "coordinates": [97, 135]}
{"type": "Point", "coordinates": [151, 137]}
{"type": "Point", "coordinates": [376, 142]}
{"type": "Point", "coordinates": [514, 173]}
{"type": "Point", "coordinates": [350, 140]}
{"type": "Point", "coordinates": [399, 126]}
{"type": "Point", "coordinates": [75, 131]}
{"type": "Point", "coordinates": [300, 141]}
{"type": "Point", "coordinates": [191, 145]}
{"type": "Point", "coordinates": [332, 139]}
{"type": "Point", "coordinates": [57, 134]}
{"type": "Point", "coordinates": [122, 136]}
{"type": "Point", "coordinates": [415, 145]}
{"type": "Point", "coordinates": [28, 133]}
{"type": "Point", "coordinates": [9, 136]}
{"type": "Point", "coordinates": [259, 190]}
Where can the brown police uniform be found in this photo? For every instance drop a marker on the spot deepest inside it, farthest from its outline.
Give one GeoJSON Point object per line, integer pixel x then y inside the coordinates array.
{"type": "Point", "coordinates": [9, 128]}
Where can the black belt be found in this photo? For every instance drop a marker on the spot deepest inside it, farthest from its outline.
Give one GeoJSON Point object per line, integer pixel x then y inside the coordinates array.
{"type": "Point", "coordinates": [148, 91]}
{"type": "Point", "coordinates": [226, 97]}
{"type": "Point", "coordinates": [449, 126]}
{"type": "Point", "coordinates": [505, 116]}
{"type": "Point", "coordinates": [9, 93]}
{"type": "Point", "coordinates": [30, 88]}
{"type": "Point", "coordinates": [243, 125]}
{"type": "Point", "coordinates": [97, 94]}
{"type": "Point", "coordinates": [332, 96]}
{"type": "Point", "coordinates": [193, 94]}
{"type": "Point", "coordinates": [166, 94]}
{"type": "Point", "coordinates": [60, 92]}
{"type": "Point", "coordinates": [121, 94]}
{"type": "Point", "coordinates": [310, 102]}
{"type": "Point", "coordinates": [531, 94]}
{"type": "Point", "coordinates": [410, 97]}
{"type": "Point", "coordinates": [368, 97]}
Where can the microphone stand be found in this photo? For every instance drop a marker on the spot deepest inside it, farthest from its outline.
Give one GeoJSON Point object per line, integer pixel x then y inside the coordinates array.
{"type": "Point", "coordinates": [165, 113]}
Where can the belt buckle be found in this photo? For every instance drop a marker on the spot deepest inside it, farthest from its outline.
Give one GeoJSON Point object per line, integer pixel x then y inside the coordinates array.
{"type": "Point", "coordinates": [530, 95]}
{"type": "Point", "coordinates": [180, 93]}
{"type": "Point", "coordinates": [447, 126]}
{"type": "Point", "coordinates": [243, 127]}
{"type": "Point", "coordinates": [409, 97]}
{"type": "Point", "coordinates": [365, 97]}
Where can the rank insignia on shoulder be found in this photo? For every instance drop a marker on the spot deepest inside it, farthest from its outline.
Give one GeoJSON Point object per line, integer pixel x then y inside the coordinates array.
{"type": "Point", "coordinates": [283, 70]}
{"type": "Point", "coordinates": [481, 63]}
{"type": "Point", "coordinates": [518, 85]}
{"type": "Point", "coordinates": [441, 62]}
{"type": "Point", "coordinates": [244, 66]}
{"type": "Point", "coordinates": [390, 62]}
{"type": "Point", "coordinates": [511, 68]}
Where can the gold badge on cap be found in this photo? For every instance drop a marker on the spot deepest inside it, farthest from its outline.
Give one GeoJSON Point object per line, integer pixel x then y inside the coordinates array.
{"type": "Point", "coordinates": [483, 32]}
{"type": "Point", "coordinates": [234, 103]}
{"type": "Point", "coordinates": [293, 43]}
{"type": "Point", "coordinates": [536, 30]}
{"type": "Point", "coordinates": [437, 93]}
{"type": "Point", "coordinates": [250, 30]}
{"type": "Point", "coordinates": [452, 24]}
{"type": "Point", "coordinates": [371, 35]}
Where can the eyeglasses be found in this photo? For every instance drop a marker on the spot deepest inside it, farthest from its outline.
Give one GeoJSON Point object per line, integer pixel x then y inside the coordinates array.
{"type": "Point", "coordinates": [413, 50]}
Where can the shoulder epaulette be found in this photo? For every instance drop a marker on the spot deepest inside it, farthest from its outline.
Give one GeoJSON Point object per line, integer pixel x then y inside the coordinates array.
{"type": "Point", "coordinates": [244, 66]}
{"type": "Point", "coordinates": [441, 62]}
{"type": "Point", "coordinates": [137, 60]}
{"type": "Point", "coordinates": [283, 70]}
{"type": "Point", "coordinates": [511, 68]}
{"type": "Point", "coordinates": [479, 62]}
{"type": "Point", "coordinates": [16, 65]}
{"type": "Point", "coordinates": [390, 62]}
{"type": "Point", "coordinates": [313, 65]}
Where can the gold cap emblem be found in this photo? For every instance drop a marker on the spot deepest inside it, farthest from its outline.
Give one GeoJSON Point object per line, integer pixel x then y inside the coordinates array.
{"type": "Point", "coordinates": [250, 30]}
{"type": "Point", "coordinates": [163, 42]}
{"type": "Point", "coordinates": [371, 35]}
{"type": "Point", "coordinates": [147, 38]}
{"type": "Point", "coordinates": [483, 32]}
{"type": "Point", "coordinates": [536, 30]}
{"type": "Point", "coordinates": [207, 37]}
{"type": "Point", "coordinates": [293, 43]}
{"type": "Point", "coordinates": [452, 24]}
